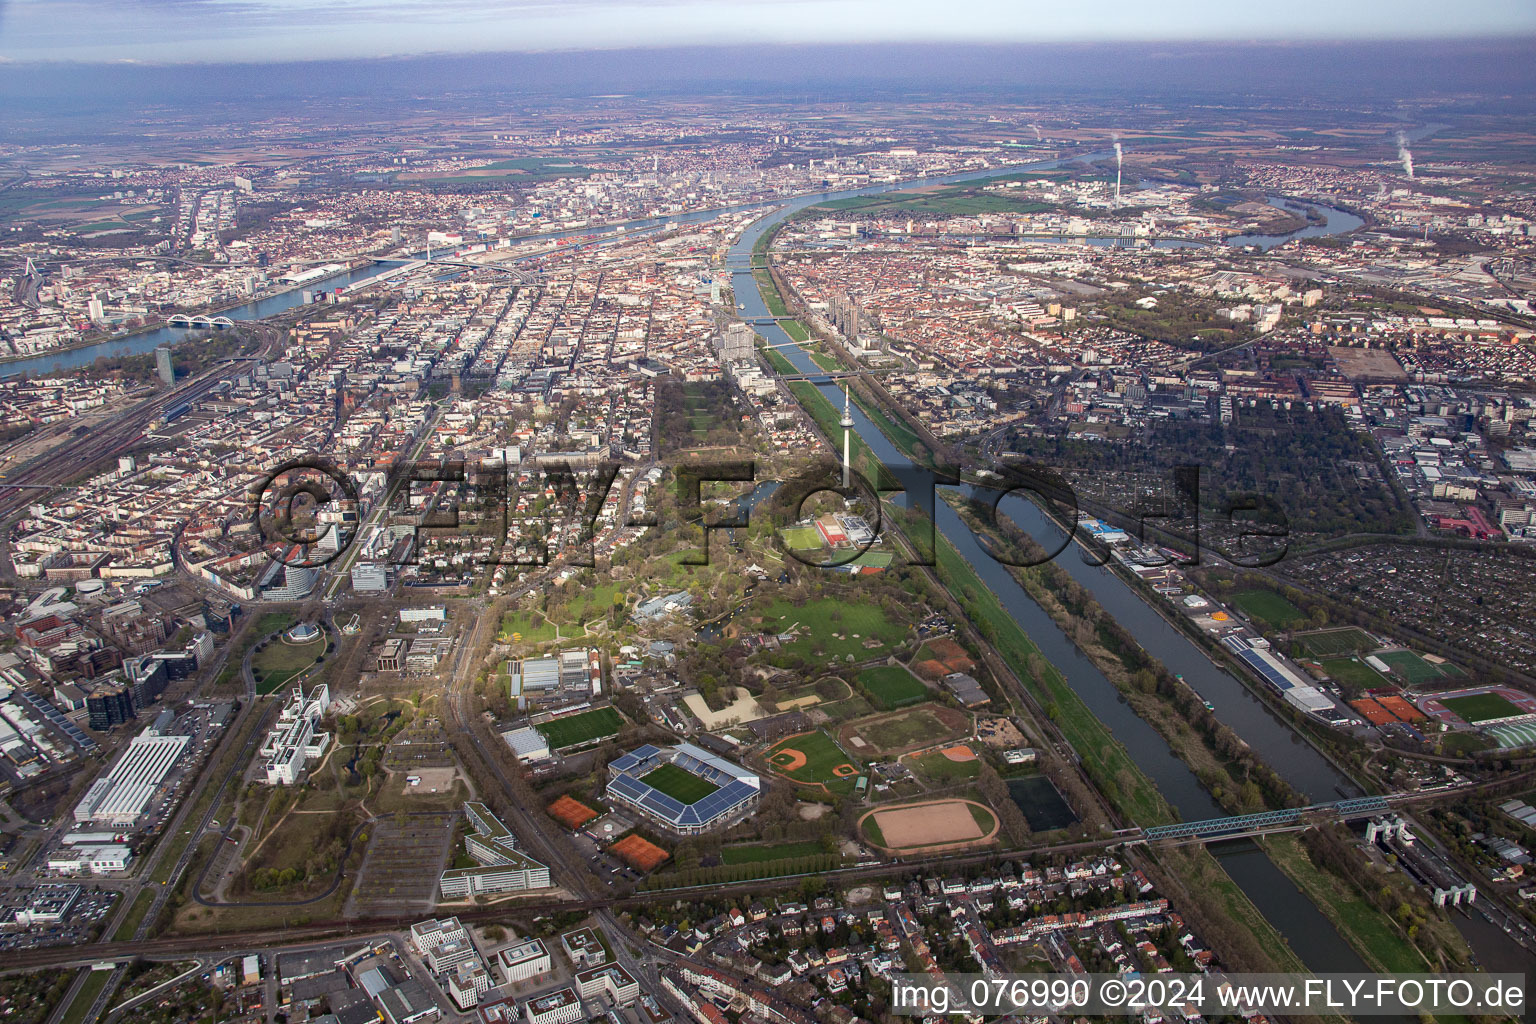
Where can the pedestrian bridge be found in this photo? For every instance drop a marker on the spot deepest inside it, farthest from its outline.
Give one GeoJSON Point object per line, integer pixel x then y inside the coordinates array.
{"type": "Point", "coordinates": [1265, 821]}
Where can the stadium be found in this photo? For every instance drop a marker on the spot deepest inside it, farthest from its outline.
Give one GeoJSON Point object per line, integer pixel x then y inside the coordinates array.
{"type": "Point", "coordinates": [684, 789]}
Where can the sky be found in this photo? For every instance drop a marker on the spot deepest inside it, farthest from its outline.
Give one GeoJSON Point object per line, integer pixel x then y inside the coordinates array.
{"type": "Point", "coordinates": [259, 31]}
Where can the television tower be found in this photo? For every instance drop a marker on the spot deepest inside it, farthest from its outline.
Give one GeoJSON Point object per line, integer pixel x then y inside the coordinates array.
{"type": "Point", "coordinates": [847, 424]}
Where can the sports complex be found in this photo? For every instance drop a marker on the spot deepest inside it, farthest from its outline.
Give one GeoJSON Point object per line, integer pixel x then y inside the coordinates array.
{"type": "Point", "coordinates": [1505, 714]}
{"type": "Point", "coordinates": [685, 788]}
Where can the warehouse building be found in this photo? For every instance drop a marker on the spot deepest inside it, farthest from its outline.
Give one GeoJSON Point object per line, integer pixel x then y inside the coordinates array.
{"type": "Point", "coordinates": [120, 798]}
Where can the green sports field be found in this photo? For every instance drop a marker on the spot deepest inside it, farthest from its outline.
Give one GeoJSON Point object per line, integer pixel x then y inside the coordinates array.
{"type": "Point", "coordinates": [1328, 643]}
{"type": "Point", "coordinates": [936, 767]}
{"type": "Point", "coordinates": [580, 728]}
{"type": "Point", "coordinates": [821, 756]}
{"type": "Point", "coordinates": [1415, 669]}
{"type": "Point", "coordinates": [1269, 606]}
{"type": "Point", "coordinates": [1481, 707]}
{"type": "Point", "coordinates": [891, 687]}
{"type": "Point", "coordinates": [801, 538]}
{"type": "Point", "coordinates": [678, 784]}
{"type": "Point", "coordinates": [1353, 673]}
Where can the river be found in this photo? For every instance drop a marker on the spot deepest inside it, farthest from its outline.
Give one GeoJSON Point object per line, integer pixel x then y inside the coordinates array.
{"type": "Point", "coordinates": [1310, 934]}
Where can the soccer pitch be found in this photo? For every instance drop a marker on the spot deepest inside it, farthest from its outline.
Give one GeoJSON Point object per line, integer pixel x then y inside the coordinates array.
{"type": "Point", "coordinates": [574, 729]}
{"type": "Point", "coordinates": [892, 686]}
{"type": "Point", "coordinates": [1330, 643]}
{"type": "Point", "coordinates": [682, 786]}
{"type": "Point", "coordinates": [1481, 707]}
{"type": "Point", "coordinates": [801, 538]}
{"type": "Point", "coordinates": [1412, 668]}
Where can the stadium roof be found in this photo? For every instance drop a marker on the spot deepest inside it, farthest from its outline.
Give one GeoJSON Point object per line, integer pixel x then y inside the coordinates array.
{"type": "Point", "coordinates": [736, 784]}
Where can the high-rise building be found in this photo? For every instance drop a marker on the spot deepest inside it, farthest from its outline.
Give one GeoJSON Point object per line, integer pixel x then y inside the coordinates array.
{"type": "Point", "coordinates": [163, 365]}
{"type": "Point", "coordinates": [736, 344]}
{"type": "Point", "coordinates": [109, 706]}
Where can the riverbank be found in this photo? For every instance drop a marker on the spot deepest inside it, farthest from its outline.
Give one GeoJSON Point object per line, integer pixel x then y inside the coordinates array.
{"type": "Point", "coordinates": [1231, 772]}
{"type": "Point", "coordinates": [1234, 776]}
{"type": "Point", "coordinates": [1213, 901]}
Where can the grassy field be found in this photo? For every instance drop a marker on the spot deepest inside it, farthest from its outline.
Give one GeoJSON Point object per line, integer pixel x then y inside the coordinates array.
{"type": "Point", "coordinates": [533, 627]}
{"type": "Point", "coordinates": [1362, 925]}
{"type": "Point", "coordinates": [279, 662]}
{"type": "Point", "coordinates": [984, 819]}
{"type": "Point", "coordinates": [1414, 669]}
{"type": "Point", "coordinates": [1269, 606]}
{"type": "Point", "coordinates": [580, 728]}
{"type": "Point", "coordinates": [891, 686]}
{"type": "Point", "coordinates": [770, 293]}
{"type": "Point", "coordinates": [809, 690]}
{"type": "Point", "coordinates": [97, 981]}
{"type": "Point", "coordinates": [935, 767]}
{"type": "Point", "coordinates": [1331, 642]}
{"type": "Point", "coordinates": [758, 853]}
{"type": "Point", "coordinates": [915, 727]}
{"type": "Point", "coordinates": [822, 754]}
{"type": "Point", "coordinates": [1353, 673]}
{"type": "Point", "coordinates": [680, 785]}
{"type": "Point", "coordinates": [1464, 744]}
{"type": "Point", "coordinates": [872, 831]}
{"type": "Point", "coordinates": [1481, 707]}
{"type": "Point", "coordinates": [591, 603]}
{"type": "Point", "coordinates": [835, 626]}
{"type": "Point", "coordinates": [134, 916]}
{"type": "Point", "coordinates": [801, 538]}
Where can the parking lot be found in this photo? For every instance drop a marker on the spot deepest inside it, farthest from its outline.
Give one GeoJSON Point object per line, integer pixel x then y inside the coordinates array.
{"type": "Point", "coordinates": [402, 866]}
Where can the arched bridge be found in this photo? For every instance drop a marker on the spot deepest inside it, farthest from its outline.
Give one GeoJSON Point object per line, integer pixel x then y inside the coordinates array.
{"type": "Point", "coordinates": [200, 320]}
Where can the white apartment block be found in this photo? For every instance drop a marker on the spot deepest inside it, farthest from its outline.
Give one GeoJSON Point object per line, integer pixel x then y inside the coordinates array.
{"type": "Point", "coordinates": [444, 944]}
{"type": "Point", "coordinates": [502, 866]}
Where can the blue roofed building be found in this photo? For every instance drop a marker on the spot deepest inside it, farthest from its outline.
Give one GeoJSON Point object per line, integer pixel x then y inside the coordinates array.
{"type": "Point", "coordinates": [718, 795]}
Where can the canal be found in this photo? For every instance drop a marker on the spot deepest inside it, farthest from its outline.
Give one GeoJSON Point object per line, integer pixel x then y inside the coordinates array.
{"type": "Point", "coordinates": [1310, 934]}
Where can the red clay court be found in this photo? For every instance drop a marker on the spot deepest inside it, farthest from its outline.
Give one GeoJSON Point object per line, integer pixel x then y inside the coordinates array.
{"type": "Point", "coordinates": [1372, 711]}
{"type": "Point", "coordinates": [1401, 708]}
{"type": "Point", "coordinates": [570, 812]}
{"type": "Point", "coordinates": [639, 853]}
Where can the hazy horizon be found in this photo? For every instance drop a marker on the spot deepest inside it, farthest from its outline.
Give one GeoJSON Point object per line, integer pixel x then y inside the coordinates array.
{"type": "Point", "coordinates": [1482, 71]}
{"type": "Point", "coordinates": [191, 31]}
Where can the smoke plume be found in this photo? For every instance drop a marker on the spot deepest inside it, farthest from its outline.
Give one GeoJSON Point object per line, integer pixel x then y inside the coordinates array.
{"type": "Point", "coordinates": [1404, 155]}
